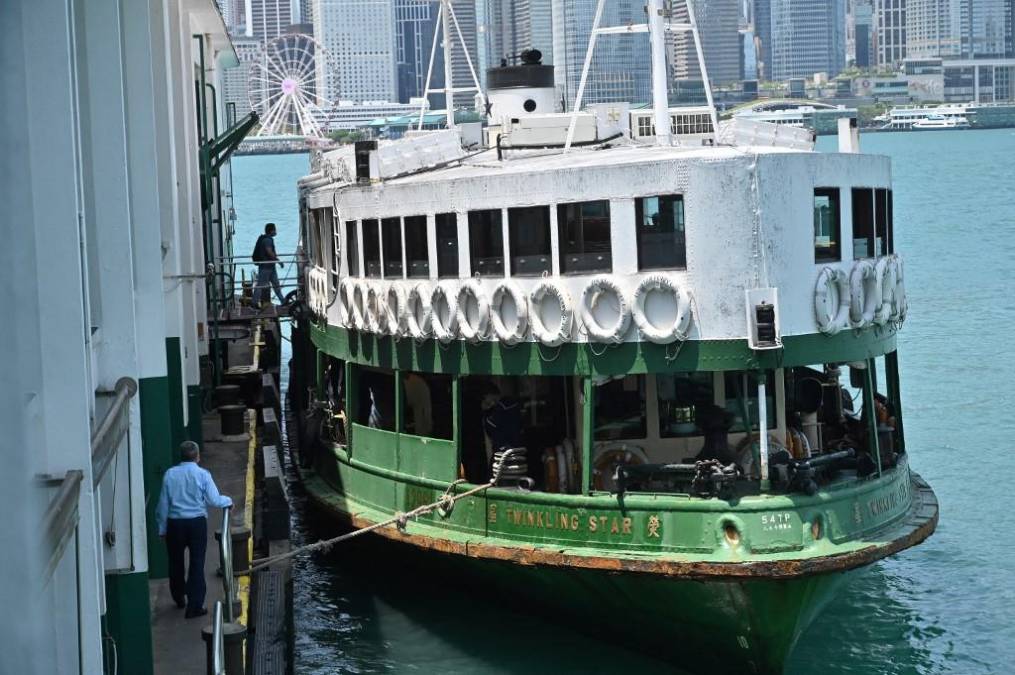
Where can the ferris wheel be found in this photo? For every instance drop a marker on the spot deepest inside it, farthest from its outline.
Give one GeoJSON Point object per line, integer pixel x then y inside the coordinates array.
{"type": "Point", "coordinates": [283, 88]}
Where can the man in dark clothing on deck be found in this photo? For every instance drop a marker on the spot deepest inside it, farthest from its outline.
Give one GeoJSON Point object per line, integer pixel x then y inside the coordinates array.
{"type": "Point", "coordinates": [265, 258]}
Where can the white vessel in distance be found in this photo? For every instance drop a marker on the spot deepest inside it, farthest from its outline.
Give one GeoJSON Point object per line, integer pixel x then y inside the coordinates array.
{"type": "Point", "coordinates": [932, 122]}
{"type": "Point", "coordinates": [904, 118]}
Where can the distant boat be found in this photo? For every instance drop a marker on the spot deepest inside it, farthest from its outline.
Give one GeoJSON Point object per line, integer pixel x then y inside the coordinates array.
{"type": "Point", "coordinates": [941, 122]}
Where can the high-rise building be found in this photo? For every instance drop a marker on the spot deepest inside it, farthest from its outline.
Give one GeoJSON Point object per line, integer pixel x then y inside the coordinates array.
{"type": "Point", "coordinates": [621, 65]}
{"type": "Point", "coordinates": [891, 43]}
{"type": "Point", "coordinates": [234, 80]}
{"type": "Point", "coordinates": [360, 37]}
{"type": "Point", "coordinates": [719, 28]}
{"type": "Point", "coordinates": [267, 19]}
{"type": "Point", "coordinates": [863, 34]}
{"type": "Point", "coordinates": [509, 27]}
{"type": "Point", "coordinates": [808, 37]}
{"type": "Point", "coordinates": [461, 77]}
{"type": "Point", "coordinates": [959, 28]}
{"type": "Point", "coordinates": [761, 15]}
{"type": "Point", "coordinates": [415, 23]}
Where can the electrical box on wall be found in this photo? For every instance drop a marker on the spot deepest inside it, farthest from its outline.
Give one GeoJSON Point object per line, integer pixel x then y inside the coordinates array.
{"type": "Point", "coordinates": [763, 330]}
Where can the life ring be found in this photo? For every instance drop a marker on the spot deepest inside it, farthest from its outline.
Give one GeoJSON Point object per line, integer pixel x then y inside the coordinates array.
{"type": "Point", "coordinates": [831, 301]}
{"type": "Point", "coordinates": [900, 304]}
{"type": "Point", "coordinates": [884, 284]}
{"type": "Point", "coordinates": [559, 329]}
{"type": "Point", "coordinates": [359, 305]}
{"type": "Point", "coordinates": [608, 457]}
{"type": "Point", "coordinates": [666, 331]}
{"type": "Point", "coordinates": [473, 311]}
{"type": "Point", "coordinates": [444, 312]}
{"type": "Point", "coordinates": [345, 306]}
{"type": "Point", "coordinates": [373, 314]}
{"type": "Point", "coordinates": [396, 310]}
{"type": "Point", "coordinates": [864, 297]}
{"type": "Point", "coordinates": [419, 314]}
{"type": "Point", "coordinates": [509, 313]}
{"type": "Point", "coordinates": [744, 451]}
{"type": "Point", "coordinates": [618, 313]}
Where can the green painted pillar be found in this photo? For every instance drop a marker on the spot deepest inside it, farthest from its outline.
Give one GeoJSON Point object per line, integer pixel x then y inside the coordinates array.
{"type": "Point", "coordinates": [157, 453]}
{"type": "Point", "coordinates": [174, 362]}
{"type": "Point", "coordinates": [195, 414]}
{"type": "Point", "coordinates": [128, 622]}
{"type": "Point", "coordinates": [588, 432]}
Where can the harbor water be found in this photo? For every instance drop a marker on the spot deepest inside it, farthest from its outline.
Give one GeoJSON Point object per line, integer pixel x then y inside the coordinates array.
{"type": "Point", "coordinates": [947, 606]}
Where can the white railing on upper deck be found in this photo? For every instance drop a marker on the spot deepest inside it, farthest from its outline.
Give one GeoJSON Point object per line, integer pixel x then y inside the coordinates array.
{"type": "Point", "coordinates": [740, 132]}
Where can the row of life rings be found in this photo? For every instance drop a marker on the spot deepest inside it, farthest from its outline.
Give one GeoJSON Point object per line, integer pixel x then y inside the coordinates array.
{"type": "Point", "coordinates": [317, 291]}
{"type": "Point", "coordinates": [448, 310]}
{"type": "Point", "coordinates": [872, 293]}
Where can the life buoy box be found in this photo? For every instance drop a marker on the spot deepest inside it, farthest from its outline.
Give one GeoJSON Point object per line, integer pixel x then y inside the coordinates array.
{"type": "Point", "coordinates": [662, 309]}
{"type": "Point", "coordinates": [444, 312]}
{"type": "Point", "coordinates": [359, 305]}
{"type": "Point", "coordinates": [608, 458]}
{"type": "Point", "coordinates": [396, 310]}
{"type": "Point", "coordinates": [374, 313]}
{"type": "Point", "coordinates": [509, 313]}
{"type": "Point", "coordinates": [605, 311]}
{"type": "Point", "coordinates": [473, 311]}
{"type": "Point", "coordinates": [419, 314]}
{"type": "Point", "coordinates": [900, 304]}
{"type": "Point", "coordinates": [551, 315]}
{"type": "Point", "coordinates": [864, 296]}
{"type": "Point", "coordinates": [345, 304]}
{"type": "Point", "coordinates": [831, 301]}
{"type": "Point", "coordinates": [884, 284]}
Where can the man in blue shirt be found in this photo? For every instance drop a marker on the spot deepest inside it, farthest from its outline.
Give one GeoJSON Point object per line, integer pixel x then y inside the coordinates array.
{"type": "Point", "coordinates": [266, 258]}
{"type": "Point", "coordinates": [182, 518]}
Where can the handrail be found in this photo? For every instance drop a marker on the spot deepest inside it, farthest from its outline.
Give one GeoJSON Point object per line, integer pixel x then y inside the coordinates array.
{"type": "Point", "coordinates": [226, 562]}
{"type": "Point", "coordinates": [218, 646]}
{"type": "Point", "coordinates": [111, 430]}
{"type": "Point", "coordinates": [60, 521]}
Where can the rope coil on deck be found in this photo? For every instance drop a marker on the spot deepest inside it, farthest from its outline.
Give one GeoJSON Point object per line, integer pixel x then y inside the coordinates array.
{"type": "Point", "coordinates": [444, 505]}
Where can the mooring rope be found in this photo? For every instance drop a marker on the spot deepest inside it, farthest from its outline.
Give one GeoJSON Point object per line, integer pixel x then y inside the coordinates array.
{"type": "Point", "coordinates": [446, 503]}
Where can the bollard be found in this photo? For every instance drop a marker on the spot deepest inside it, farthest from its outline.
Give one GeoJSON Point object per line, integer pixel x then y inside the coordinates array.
{"type": "Point", "coordinates": [233, 635]}
{"type": "Point", "coordinates": [241, 552]}
{"type": "Point", "coordinates": [233, 420]}
{"type": "Point", "coordinates": [227, 394]}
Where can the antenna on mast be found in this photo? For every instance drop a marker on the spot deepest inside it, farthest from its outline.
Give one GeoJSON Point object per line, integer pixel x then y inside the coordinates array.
{"type": "Point", "coordinates": [656, 26]}
{"type": "Point", "coordinates": [445, 12]}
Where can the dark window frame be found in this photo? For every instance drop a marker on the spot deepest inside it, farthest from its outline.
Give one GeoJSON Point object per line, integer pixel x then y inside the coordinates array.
{"type": "Point", "coordinates": [441, 403]}
{"type": "Point", "coordinates": [486, 234]}
{"type": "Point", "coordinates": [447, 263]}
{"type": "Point", "coordinates": [536, 262]}
{"type": "Point", "coordinates": [678, 234]}
{"type": "Point", "coordinates": [372, 248]}
{"type": "Point", "coordinates": [862, 199]}
{"type": "Point", "coordinates": [391, 268]}
{"type": "Point", "coordinates": [352, 247]}
{"type": "Point", "coordinates": [833, 252]}
{"type": "Point", "coordinates": [572, 260]}
{"type": "Point", "coordinates": [881, 226]}
{"type": "Point", "coordinates": [416, 267]}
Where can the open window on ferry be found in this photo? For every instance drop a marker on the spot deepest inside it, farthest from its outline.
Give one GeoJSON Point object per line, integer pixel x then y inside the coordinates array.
{"type": "Point", "coordinates": [352, 246]}
{"type": "Point", "coordinates": [863, 223]}
{"type": "Point", "coordinates": [371, 248]}
{"type": "Point", "coordinates": [336, 250]}
{"type": "Point", "coordinates": [417, 256]}
{"type": "Point", "coordinates": [660, 227]}
{"type": "Point", "coordinates": [333, 424]}
{"type": "Point", "coordinates": [529, 233]}
{"type": "Point", "coordinates": [882, 222]}
{"type": "Point", "coordinates": [427, 408]}
{"type": "Point", "coordinates": [447, 245]}
{"type": "Point", "coordinates": [486, 243]}
{"type": "Point", "coordinates": [584, 237]}
{"type": "Point", "coordinates": [827, 229]}
{"type": "Point", "coordinates": [538, 413]}
{"type": "Point", "coordinates": [391, 233]}
{"type": "Point", "coordinates": [375, 398]}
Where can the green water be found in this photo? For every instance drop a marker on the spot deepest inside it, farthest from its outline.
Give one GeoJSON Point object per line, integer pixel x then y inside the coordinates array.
{"type": "Point", "coordinates": [947, 606]}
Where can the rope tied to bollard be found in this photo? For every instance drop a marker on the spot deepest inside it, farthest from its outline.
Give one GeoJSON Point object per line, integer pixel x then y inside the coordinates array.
{"type": "Point", "coordinates": [400, 520]}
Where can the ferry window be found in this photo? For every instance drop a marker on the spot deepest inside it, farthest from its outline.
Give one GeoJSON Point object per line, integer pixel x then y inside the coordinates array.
{"type": "Point", "coordinates": [447, 245]}
{"type": "Point", "coordinates": [371, 248]}
{"type": "Point", "coordinates": [827, 230]}
{"type": "Point", "coordinates": [863, 223]}
{"type": "Point", "coordinates": [375, 398]}
{"type": "Point", "coordinates": [529, 232]}
{"type": "Point", "coordinates": [336, 249]}
{"type": "Point", "coordinates": [417, 256]}
{"type": "Point", "coordinates": [891, 223]}
{"type": "Point", "coordinates": [620, 409]}
{"type": "Point", "coordinates": [391, 230]}
{"type": "Point", "coordinates": [427, 409]}
{"type": "Point", "coordinates": [645, 126]}
{"type": "Point", "coordinates": [741, 389]}
{"type": "Point", "coordinates": [486, 243]}
{"type": "Point", "coordinates": [683, 399]}
{"type": "Point", "coordinates": [881, 221]}
{"type": "Point", "coordinates": [352, 247]}
{"type": "Point", "coordinates": [660, 222]}
{"type": "Point", "coordinates": [584, 234]}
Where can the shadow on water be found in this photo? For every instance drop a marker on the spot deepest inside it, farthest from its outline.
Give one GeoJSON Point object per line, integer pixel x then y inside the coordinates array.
{"type": "Point", "coordinates": [358, 611]}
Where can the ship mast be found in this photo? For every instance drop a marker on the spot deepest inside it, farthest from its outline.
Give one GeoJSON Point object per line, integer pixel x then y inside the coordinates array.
{"type": "Point", "coordinates": [657, 24]}
{"type": "Point", "coordinates": [447, 19]}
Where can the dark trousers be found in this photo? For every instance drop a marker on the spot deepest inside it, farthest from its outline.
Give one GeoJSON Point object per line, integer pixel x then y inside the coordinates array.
{"type": "Point", "coordinates": [190, 534]}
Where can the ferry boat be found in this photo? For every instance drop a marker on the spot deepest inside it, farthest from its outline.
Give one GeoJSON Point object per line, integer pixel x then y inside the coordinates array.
{"type": "Point", "coordinates": [677, 348]}
{"type": "Point", "coordinates": [932, 122]}
{"type": "Point", "coordinates": [905, 118]}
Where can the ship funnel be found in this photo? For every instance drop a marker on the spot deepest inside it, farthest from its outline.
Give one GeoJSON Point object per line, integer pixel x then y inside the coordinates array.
{"type": "Point", "coordinates": [518, 90]}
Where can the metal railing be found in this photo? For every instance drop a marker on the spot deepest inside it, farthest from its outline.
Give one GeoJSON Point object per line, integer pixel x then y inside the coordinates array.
{"type": "Point", "coordinates": [218, 645]}
{"type": "Point", "coordinates": [61, 521]}
{"type": "Point", "coordinates": [114, 426]}
{"type": "Point", "coordinates": [226, 562]}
